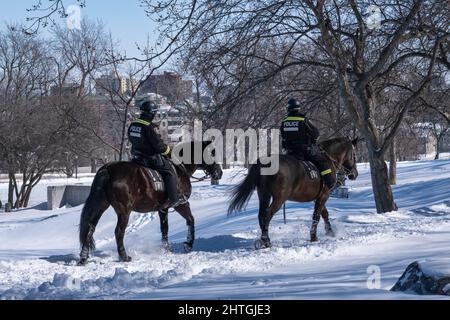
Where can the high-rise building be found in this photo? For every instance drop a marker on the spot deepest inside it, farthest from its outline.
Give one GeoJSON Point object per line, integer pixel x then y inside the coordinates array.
{"type": "Point", "coordinates": [170, 85]}
{"type": "Point", "coordinates": [119, 85]}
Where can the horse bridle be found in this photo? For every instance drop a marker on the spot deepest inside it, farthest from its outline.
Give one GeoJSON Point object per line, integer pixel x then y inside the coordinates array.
{"type": "Point", "coordinates": [346, 170]}
{"type": "Point", "coordinates": [342, 167]}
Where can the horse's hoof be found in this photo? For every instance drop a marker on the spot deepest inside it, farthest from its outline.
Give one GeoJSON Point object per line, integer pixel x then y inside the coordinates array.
{"type": "Point", "coordinates": [82, 262]}
{"type": "Point", "coordinates": [330, 233]}
{"type": "Point", "coordinates": [125, 259]}
{"type": "Point", "coordinates": [314, 239]}
{"type": "Point", "coordinates": [262, 244]}
{"type": "Point", "coordinates": [166, 247]}
{"type": "Point", "coordinates": [187, 247]}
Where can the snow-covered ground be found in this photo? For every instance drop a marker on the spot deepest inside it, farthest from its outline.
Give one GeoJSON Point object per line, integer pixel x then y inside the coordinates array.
{"type": "Point", "coordinates": [39, 248]}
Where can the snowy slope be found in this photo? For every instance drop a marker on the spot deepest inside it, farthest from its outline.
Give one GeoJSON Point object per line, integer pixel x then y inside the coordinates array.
{"type": "Point", "coordinates": [39, 248]}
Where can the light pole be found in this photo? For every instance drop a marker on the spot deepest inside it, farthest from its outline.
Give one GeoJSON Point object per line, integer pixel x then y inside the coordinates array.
{"type": "Point", "coordinates": [76, 167]}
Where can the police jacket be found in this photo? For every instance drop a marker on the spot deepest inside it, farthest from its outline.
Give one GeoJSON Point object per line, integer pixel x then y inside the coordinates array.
{"type": "Point", "coordinates": [145, 140]}
{"type": "Point", "coordinates": [297, 132]}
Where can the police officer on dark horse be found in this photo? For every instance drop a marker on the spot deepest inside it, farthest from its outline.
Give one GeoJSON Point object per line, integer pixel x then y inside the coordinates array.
{"type": "Point", "coordinates": [149, 150]}
{"type": "Point", "coordinates": [291, 182]}
{"type": "Point", "coordinates": [126, 186]}
{"type": "Point", "coordinates": [299, 139]}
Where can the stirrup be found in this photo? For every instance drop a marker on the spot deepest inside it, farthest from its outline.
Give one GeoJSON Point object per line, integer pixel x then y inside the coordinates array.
{"type": "Point", "coordinates": [180, 201]}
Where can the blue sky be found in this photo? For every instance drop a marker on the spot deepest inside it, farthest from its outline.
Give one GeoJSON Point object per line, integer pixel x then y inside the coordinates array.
{"type": "Point", "coordinates": [125, 19]}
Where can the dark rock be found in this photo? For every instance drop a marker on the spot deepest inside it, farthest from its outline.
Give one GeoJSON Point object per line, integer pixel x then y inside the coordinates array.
{"type": "Point", "coordinates": [425, 278]}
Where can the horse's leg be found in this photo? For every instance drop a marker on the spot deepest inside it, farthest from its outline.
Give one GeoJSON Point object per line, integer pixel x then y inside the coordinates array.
{"type": "Point", "coordinates": [123, 215]}
{"type": "Point", "coordinates": [265, 216]}
{"type": "Point", "coordinates": [318, 207]}
{"type": "Point", "coordinates": [329, 231]}
{"type": "Point", "coordinates": [264, 201]}
{"type": "Point", "coordinates": [164, 220]}
{"type": "Point", "coordinates": [185, 211]}
{"type": "Point", "coordinates": [92, 221]}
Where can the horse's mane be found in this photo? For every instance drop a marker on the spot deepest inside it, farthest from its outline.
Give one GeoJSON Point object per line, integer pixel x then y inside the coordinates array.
{"type": "Point", "coordinates": [327, 143]}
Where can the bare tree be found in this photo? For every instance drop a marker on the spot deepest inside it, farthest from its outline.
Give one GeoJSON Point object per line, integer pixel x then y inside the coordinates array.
{"type": "Point", "coordinates": [84, 49]}
{"type": "Point", "coordinates": [45, 14]}
{"type": "Point", "coordinates": [26, 73]}
{"type": "Point", "coordinates": [118, 69]}
{"type": "Point", "coordinates": [41, 125]}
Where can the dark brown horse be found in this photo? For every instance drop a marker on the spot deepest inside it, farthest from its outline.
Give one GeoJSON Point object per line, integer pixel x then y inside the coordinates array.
{"type": "Point", "coordinates": [292, 182]}
{"type": "Point", "coordinates": [126, 187]}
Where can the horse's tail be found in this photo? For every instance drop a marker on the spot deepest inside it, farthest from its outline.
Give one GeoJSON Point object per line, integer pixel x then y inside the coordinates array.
{"type": "Point", "coordinates": [242, 192]}
{"type": "Point", "coordinates": [92, 208]}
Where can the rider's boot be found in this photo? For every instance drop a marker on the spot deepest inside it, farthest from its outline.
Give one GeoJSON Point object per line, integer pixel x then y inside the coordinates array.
{"type": "Point", "coordinates": [175, 200]}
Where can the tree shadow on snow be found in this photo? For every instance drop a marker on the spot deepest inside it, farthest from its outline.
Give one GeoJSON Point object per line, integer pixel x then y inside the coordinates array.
{"type": "Point", "coordinates": [216, 244]}
{"type": "Point", "coordinates": [428, 212]}
{"type": "Point", "coordinates": [70, 259]}
{"type": "Point", "coordinates": [39, 207]}
{"type": "Point", "coordinates": [66, 258]}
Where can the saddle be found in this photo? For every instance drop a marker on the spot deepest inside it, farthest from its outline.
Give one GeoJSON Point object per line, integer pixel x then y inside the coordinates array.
{"type": "Point", "coordinates": [155, 177]}
{"type": "Point", "coordinates": [310, 168]}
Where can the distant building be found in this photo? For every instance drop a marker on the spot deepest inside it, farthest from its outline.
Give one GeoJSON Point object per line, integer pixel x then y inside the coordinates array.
{"type": "Point", "coordinates": [174, 126]}
{"type": "Point", "coordinates": [427, 141]}
{"type": "Point", "coordinates": [120, 85]}
{"type": "Point", "coordinates": [170, 85]}
{"type": "Point", "coordinates": [66, 90]}
{"type": "Point", "coordinates": [157, 98]}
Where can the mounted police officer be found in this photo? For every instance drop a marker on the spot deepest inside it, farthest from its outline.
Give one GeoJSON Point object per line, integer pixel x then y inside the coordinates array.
{"type": "Point", "coordinates": [300, 140]}
{"type": "Point", "coordinates": [149, 149]}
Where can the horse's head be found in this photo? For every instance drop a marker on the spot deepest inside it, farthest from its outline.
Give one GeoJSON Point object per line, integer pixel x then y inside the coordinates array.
{"type": "Point", "coordinates": [201, 155]}
{"type": "Point", "coordinates": [209, 164]}
{"type": "Point", "coordinates": [343, 151]}
{"type": "Point", "coordinates": [349, 164]}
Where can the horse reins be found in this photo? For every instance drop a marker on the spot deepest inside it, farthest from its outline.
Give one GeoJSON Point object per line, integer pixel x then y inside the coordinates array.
{"type": "Point", "coordinates": [206, 176]}
{"type": "Point", "coordinates": [337, 166]}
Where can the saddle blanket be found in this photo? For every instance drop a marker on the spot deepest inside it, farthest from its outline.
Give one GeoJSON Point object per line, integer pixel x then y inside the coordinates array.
{"type": "Point", "coordinates": [311, 170]}
{"type": "Point", "coordinates": [156, 179]}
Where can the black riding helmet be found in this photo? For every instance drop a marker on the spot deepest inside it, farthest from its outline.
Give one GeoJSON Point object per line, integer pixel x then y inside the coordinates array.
{"type": "Point", "coordinates": [149, 107]}
{"type": "Point", "coordinates": [293, 105]}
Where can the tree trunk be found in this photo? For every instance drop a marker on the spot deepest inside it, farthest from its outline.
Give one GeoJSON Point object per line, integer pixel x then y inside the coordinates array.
{"type": "Point", "coordinates": [382, 191]}
{"type": "Point", "coordinates": [11, 190]}
{"type": "Point", "coordinates": [93, 166]}
{"type": "Point", "coordinates": [438, 146]}
{"type": "Point", "coordinates": [393, 164]}
{"type": "Point", "coordinates": [20, 196]}
{"type": "Point", "coordinates": [26, 198]}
